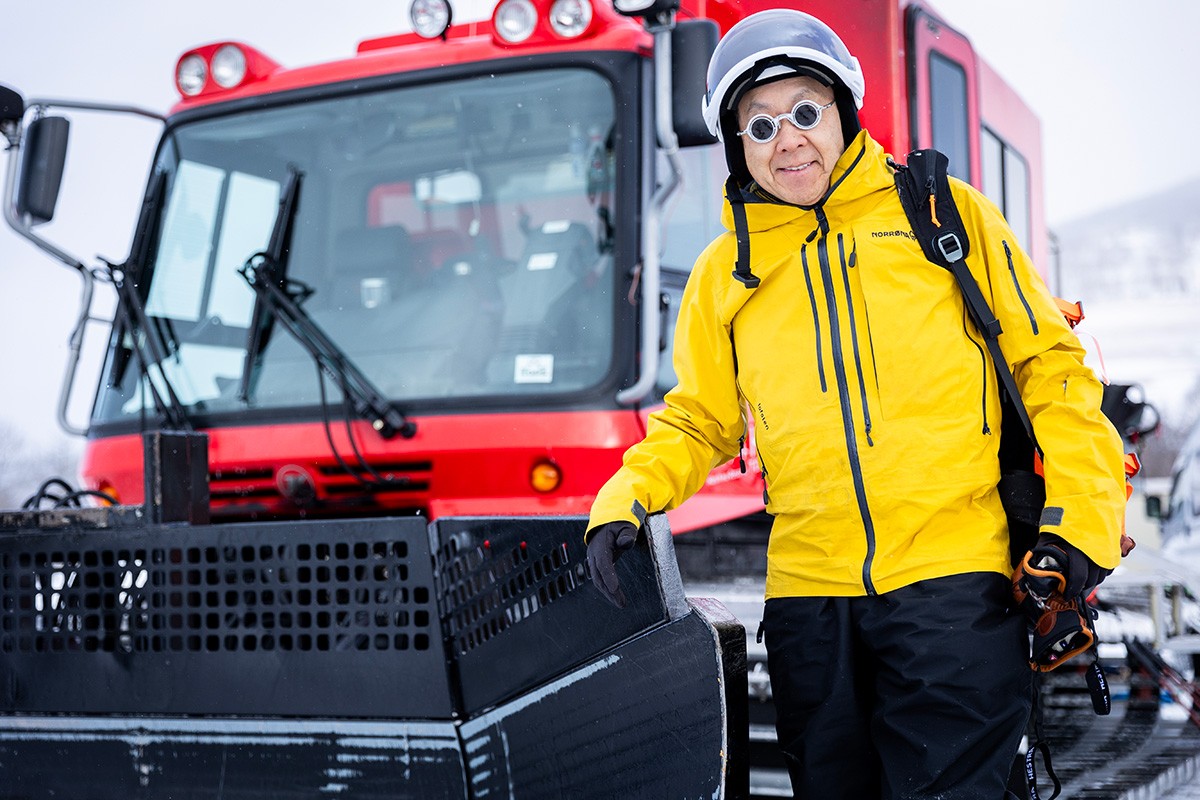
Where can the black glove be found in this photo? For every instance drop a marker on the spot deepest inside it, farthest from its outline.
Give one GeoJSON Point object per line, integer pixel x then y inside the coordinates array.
{"type": "Point", "coordinates": [605, 545]}
{"type": "Point", "coordinates": [1079, 572]}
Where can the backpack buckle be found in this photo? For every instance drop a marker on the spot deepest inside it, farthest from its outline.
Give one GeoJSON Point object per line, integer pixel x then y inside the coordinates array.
{"type": "Point", "coordinates": [950, 247]}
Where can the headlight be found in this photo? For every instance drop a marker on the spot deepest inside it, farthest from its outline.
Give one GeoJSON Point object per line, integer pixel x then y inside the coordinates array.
{"type": "Point", "coordinates": [228, 66]}
{"type": "Point", "coordinates": [191, 75]}
{"type": "Point", "coordinates": [569, 18]}
{"type": "Point", "coordinates": [515, 20]}
{"type": "Point", "coordinates": [430, 18]}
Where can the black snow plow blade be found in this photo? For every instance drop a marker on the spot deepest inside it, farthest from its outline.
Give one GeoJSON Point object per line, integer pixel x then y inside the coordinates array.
{"type": "Point", "coordinates": [468, 658]}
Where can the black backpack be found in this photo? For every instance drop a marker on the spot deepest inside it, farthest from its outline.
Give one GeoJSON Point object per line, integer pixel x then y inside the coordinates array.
{"type": "Point", "coordinates": [924, 188]}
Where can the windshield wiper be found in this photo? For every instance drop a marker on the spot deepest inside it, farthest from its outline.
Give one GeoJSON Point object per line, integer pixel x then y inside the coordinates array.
{"type": "Point", "coordinates": [147, 347]}
{"type": "Point", "coordinates": [262, 321]}
{"type": "Point", "coordinates": [280, 297]}
{"type": "Point", "coordinates": [284, 303]}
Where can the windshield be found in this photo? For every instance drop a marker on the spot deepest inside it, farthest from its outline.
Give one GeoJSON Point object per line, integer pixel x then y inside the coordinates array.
{"type": "Point", "coordinates": [454, 240]}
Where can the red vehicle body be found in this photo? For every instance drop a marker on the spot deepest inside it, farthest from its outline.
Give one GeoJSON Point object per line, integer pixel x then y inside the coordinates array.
{"type": "Point", "coordinates": [507, 448]}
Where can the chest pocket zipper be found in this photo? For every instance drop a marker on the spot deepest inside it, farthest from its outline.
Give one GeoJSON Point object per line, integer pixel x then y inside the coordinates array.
{"type": "Point", "coordinates": [983, 368]}
{"type": "Point", "coordinates": [1012, 270]}
{"type": "Point", "coordinates": [812, 301]}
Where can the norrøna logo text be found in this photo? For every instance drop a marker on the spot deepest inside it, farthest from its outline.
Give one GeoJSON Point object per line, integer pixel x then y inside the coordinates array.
{"type": "Point", "coordinates": [889, 234]}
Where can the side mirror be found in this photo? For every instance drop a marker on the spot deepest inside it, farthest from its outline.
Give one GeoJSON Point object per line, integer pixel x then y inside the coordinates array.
{"type": "Point", "coordinates": [692, 45]}
{"type": "Point", "coordinates": [42, 160]}
{"type": "Point", "coordinates": [12, 106]}
{"type": "Point", "coordinates": [1125, 406]}
{"type": "Point", "coordinates": [1154, 509]}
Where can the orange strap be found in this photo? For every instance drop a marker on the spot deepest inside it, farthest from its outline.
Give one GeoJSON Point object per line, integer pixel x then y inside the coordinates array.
{"type": "Point", "coordinates": [1072, 312]}
{"type": "Point", "coordinates": [1132, 465]}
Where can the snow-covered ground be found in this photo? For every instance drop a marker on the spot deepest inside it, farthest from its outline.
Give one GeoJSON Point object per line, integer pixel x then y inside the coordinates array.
{"type": "Point", "coordinates": [1189, 790]}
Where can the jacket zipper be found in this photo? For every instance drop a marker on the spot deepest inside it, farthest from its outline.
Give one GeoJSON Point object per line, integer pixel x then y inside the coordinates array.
{"type": "Point", "coordinates": [812, 299]}
{"type": "Point", "coordinates": [1016, 284]}
{"type": "Point", "coordinates": [983, 369]}
{"type": "Point", "coordinates": [853, 262]}
{"type": "Point", "coordinates": [762, 467]}
{"type": "Point", "coordinates": [745, 422]}
{"type": "Point", "coordinates": [862, 384]}
{"type": "Point", "coordinates": [835, 340]}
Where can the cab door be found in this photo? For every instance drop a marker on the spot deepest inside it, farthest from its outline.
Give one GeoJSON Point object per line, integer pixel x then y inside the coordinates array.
{"type": "Point", "coordinates": [943, 91]}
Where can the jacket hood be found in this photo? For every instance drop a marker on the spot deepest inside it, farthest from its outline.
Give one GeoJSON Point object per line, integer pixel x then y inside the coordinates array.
{"type": "Point", "coordinates": [861, 170]}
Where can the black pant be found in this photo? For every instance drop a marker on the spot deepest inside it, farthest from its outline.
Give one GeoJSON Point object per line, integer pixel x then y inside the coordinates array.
{"type": "Point", "coordinates": [920, 693]}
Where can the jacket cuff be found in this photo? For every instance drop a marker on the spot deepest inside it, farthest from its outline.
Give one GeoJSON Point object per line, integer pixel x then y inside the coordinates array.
{"type": "Point", "coordinates": [636, 516]}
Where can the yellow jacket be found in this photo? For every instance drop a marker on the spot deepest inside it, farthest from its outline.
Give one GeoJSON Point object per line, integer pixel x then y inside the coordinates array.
{"type": "Point", "coordinates": [873, 398]}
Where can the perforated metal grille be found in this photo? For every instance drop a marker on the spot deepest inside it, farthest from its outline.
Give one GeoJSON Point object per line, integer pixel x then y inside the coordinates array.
{"type": "Point", "coordinates": [268, 596]}
{"type": "Point", "coordinates": [489, 586]}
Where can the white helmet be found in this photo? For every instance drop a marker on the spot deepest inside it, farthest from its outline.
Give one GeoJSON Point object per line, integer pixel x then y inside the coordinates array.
{"type": "Point", "coordinates": [776, 36]}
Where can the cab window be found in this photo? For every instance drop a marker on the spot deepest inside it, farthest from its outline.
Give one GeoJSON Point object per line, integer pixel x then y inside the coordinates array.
{"type": "Point", "coordinates": [948, 99]}
{"type": "Point", "coordinates": [1006, 183]}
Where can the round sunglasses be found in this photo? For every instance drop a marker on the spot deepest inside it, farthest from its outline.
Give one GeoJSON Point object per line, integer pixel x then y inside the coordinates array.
{"type": "Point", "coordinates": [805, 115]}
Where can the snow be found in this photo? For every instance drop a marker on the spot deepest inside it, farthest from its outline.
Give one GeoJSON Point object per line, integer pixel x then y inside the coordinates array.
{"type": "Point", "coordinates": [1188, 787]}
{"type": "Point", "coordinates": [1154, 342]}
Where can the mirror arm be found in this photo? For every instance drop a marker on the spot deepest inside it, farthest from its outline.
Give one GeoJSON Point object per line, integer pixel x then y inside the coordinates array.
{"type": "Point", "coordinates": [79, 105]}
{"type": "Point", "coordinates": [24, 225]}
{"type": "Point", "coordinates": [75, 347]}
{"type": "Point", "coordinates": [668, 145]}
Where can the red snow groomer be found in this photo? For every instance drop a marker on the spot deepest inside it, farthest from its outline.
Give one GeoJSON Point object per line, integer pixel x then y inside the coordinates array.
{"type": "Point", "coordinates": [385, 326]}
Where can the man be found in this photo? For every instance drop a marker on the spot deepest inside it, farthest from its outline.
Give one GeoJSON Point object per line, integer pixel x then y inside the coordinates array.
{"type": "Point", "coordinates": [897, 665]}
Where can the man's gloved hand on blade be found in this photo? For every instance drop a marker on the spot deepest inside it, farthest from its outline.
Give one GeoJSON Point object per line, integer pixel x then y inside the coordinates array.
{"type": "Point", "coordinates": [1080, 572]}
{"type": "Point", "coordinates": [605, 544]}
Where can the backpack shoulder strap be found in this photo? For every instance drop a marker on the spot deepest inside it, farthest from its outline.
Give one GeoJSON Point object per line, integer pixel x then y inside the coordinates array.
{"type": "Point", "coordinates": [924, 189]}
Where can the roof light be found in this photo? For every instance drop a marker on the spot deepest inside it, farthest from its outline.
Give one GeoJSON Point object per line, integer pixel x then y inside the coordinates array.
{"type": "Point", "coordinates": [191, 75]}
{"type": "Point", "coordinates": [515, 20]}
{"type": "Point", "coordinates": [217, 68]}
{"type": "Point", "coordinates": [228, 66]}
{"type": "Point", "coordinates": [569, 18]}
{"type": "Point", "coordinates": [430, 18]}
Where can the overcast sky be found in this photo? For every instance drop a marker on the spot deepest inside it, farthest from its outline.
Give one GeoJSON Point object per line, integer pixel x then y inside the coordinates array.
{"type": "Point", "coordinates": [1111, 81]}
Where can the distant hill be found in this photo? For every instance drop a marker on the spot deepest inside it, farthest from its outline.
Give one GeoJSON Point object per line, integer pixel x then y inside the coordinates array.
{"type": "Point", "coordinates": [1149, 247]}
{"type": "Point", "coordinates": [1136, 267]}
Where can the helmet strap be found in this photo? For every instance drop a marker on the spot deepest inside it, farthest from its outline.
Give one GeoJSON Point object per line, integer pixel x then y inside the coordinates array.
{"type": "Point", "coordinates": [741, 230]}
{"type": "Point", "coordinates": [735, 155]}
{"type": "Point", "coordinates": [847, 112]}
